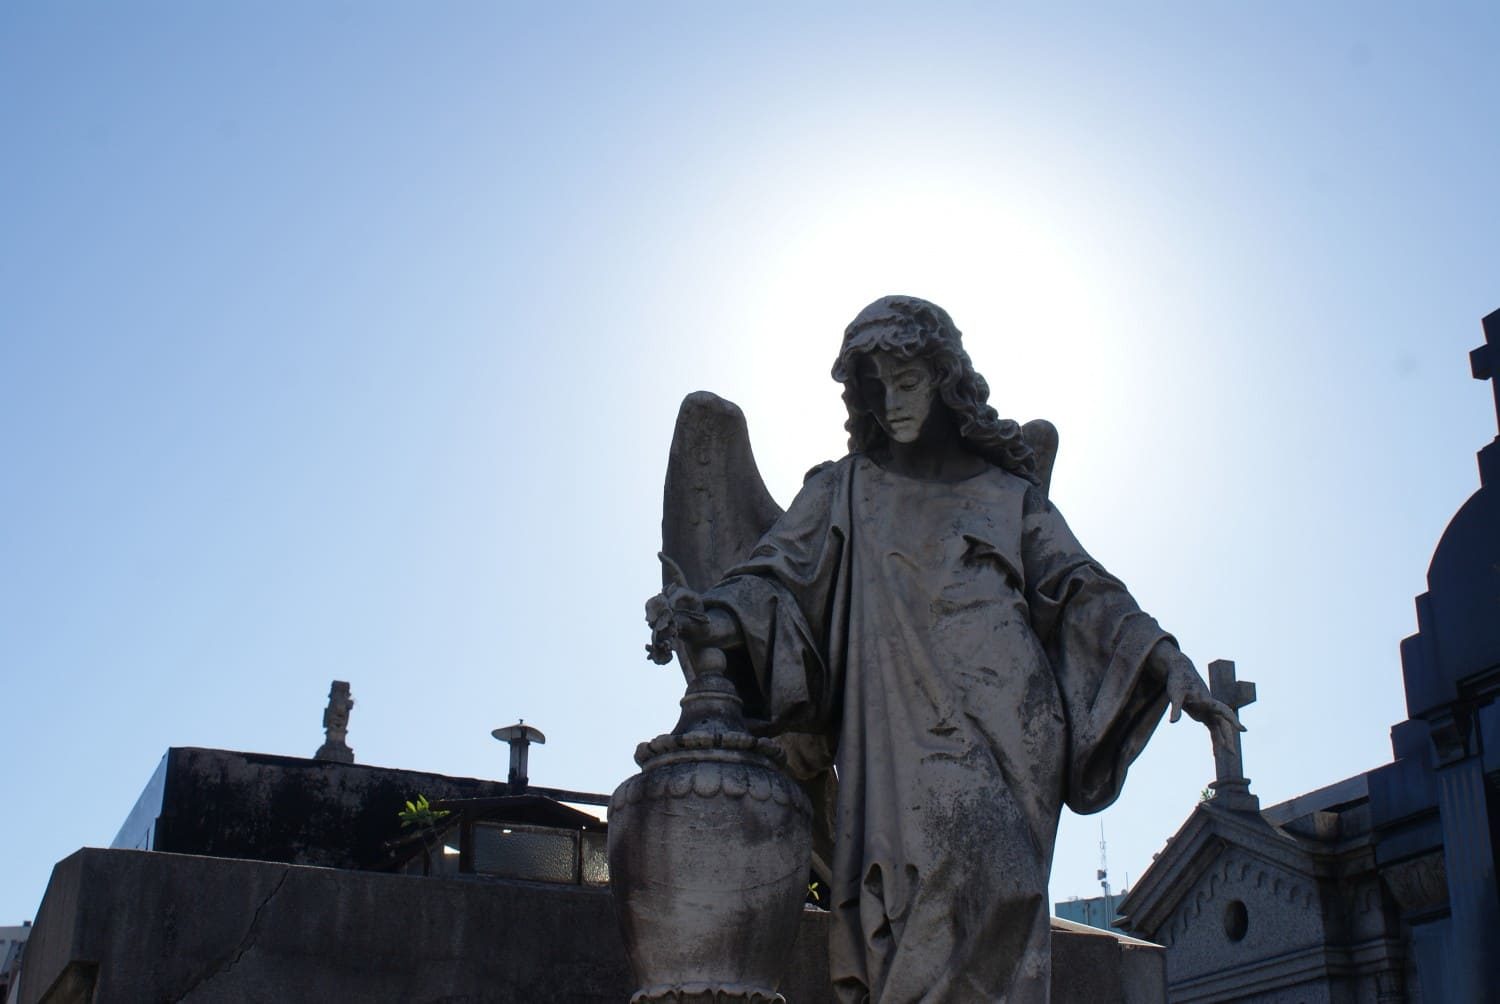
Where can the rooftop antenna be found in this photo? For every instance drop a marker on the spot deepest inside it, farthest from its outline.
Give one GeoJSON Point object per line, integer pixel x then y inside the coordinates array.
{"type": "Point", "coordinates": [1103, 875]}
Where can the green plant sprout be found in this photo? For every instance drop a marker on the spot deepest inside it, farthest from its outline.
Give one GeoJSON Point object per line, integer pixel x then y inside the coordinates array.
{"type": "Point", "coordinates": [420, 813]}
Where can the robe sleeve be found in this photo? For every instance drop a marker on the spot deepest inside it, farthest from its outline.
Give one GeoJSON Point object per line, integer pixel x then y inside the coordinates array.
{"type": "Point", "coordinates": [788, 598]}
{"type": "Point", "coordinates": [1097, 640]}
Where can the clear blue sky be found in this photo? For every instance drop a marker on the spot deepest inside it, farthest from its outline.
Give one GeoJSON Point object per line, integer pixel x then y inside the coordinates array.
{"type": "Point", "coordinates": [344, 340]}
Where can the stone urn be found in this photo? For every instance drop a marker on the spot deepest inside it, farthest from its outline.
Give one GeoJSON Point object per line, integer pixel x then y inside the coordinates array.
{"type": "Point", "coordinates": [709, 849]}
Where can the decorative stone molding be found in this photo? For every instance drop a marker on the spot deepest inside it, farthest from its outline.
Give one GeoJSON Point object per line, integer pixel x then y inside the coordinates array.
{"type": "Point", "coordinates": [664, 745]}
{"type": "Point", "coordinates": [707, 778]}
{"type": "Point", "coordinates": [1388, 987]}
{"type": "Point", "coordinates": [1418, 885]}
{"type": "Point", "coordinates": [706, 993]}
{"type": "Point", "coordinates": [1238, 871]}
{"type": "Point", "coordinates": [1452, 733]}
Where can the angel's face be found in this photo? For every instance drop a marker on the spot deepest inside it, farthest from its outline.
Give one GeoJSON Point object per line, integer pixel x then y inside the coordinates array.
{"type": "Point", "coordinates": [900, 393]}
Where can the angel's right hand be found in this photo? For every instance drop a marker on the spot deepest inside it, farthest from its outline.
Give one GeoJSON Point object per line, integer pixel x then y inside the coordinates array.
{"type": "Point", "coordinates": [677, 614]}
{"type": "Point", "coordinates": [672, 614]}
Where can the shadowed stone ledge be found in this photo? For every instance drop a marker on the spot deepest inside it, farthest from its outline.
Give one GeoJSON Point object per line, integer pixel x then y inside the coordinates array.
{"type": "Point", "coordinates": [126, 926]}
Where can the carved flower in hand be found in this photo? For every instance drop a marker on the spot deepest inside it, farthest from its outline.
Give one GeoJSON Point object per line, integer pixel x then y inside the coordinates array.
{"type": "Point", "coordinates": [663, 629]}
{"type": "Point", "coordinates": [666, 612]}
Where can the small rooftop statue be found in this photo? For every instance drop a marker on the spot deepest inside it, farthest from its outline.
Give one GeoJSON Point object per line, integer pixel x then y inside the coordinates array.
{"type": "Point", "coordinates": [922, 619]}
{"type": "Point", "coordinates": [336, 725]}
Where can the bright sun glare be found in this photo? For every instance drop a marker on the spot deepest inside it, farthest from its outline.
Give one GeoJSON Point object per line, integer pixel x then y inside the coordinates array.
{"type": "Point", "coordinates": [1031, 298]}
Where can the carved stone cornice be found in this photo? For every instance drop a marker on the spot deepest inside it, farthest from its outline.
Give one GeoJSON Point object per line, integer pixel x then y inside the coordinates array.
{"type": "Point", "coordinates": [1195, 850]}
{"type": "Point", "coordinates": [1293, 890]}
{"type": "Point", "coordinates": [1418, 885]}
{"type": "Point", "coordinates": [1452, 733]}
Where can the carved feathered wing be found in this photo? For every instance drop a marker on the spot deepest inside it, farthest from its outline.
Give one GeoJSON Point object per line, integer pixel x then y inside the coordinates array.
{"type": "Point", "coordinates": [1041, 436]}
{"type": "Point", "coordinates": [715, 508]}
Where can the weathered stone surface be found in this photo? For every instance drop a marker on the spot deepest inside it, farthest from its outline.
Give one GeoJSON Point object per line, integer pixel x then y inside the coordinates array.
{"type": "Point", "coordinates": [923, 608]}
{"type": "Point", "coordinates": [134, 926]}
{"type": "Point", "coordinates": [1273, 903]}
{"type": "Point", "coordinates": [276, 808]}
{"type": "Point", "coordinates": [1231, 787]}
{"type": "Point", "coordinates": [715, 505]}
{"type": "Point", "coordinates": [166, 927]}
{"type": "Point", "coordinates": [1083, 957]}
{"type": "Point", "coordinates": [708, 858]}
{"type": "Point", "coordinates": [336, 725]}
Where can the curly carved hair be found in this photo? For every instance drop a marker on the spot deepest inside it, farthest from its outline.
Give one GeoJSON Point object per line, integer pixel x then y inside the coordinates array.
{"type": "Point", "coordinates": [908, 327]}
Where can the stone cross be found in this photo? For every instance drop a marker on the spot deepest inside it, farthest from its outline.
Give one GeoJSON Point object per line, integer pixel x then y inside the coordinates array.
{"type": "Point", "coordinates": [1484, 363]}
{"type": "Point", "coordinates": [336, 725]}
{"type": "Point", "coordinates": [1231, 787]}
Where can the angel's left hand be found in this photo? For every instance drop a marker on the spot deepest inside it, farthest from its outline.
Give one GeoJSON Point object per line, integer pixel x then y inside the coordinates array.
{"type": "Point", "coordinates": [1187, 692]}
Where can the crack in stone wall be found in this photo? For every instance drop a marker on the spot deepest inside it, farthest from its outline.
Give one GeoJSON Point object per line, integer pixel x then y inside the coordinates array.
{"type": "Point", "coordinates": [247, 941]}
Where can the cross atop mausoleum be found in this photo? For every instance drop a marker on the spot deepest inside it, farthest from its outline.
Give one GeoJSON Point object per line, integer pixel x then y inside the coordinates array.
{"type": "Point", "coordinates": [1484, 363]}
{"type": "Point", "coordinates": [336, 725]}
{"type": "Point", "coordinates": [1231, 788]}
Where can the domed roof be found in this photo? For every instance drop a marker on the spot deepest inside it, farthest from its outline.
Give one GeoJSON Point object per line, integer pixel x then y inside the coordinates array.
{"type": "Point", "coordinates": [1463, 587]}
{"type": "Point", "coordinates": [1459, 615]}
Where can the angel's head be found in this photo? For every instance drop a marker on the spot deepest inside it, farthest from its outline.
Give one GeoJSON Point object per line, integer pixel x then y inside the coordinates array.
{"type": "Point", "coordinates": [912, 347]}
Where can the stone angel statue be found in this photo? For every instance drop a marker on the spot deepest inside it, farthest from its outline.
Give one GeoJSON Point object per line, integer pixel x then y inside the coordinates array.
{"type": "Point", "coordinates": [943, 662]}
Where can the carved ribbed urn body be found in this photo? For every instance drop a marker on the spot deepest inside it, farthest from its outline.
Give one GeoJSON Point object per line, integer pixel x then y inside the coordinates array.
{"type": "Point", "coordinates": [708, 859]}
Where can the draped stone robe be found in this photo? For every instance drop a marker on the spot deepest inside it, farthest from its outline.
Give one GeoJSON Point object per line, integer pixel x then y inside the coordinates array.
{"type": "Point", "coordinates": [974, 670]}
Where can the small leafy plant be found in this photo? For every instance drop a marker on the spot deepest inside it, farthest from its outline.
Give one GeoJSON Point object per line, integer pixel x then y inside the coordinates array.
{"type": "Point", "coordinates": [420, 814]}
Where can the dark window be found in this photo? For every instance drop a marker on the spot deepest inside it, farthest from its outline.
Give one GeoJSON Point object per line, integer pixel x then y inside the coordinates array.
{"type": "Point", "coordinates": [1236, 920]}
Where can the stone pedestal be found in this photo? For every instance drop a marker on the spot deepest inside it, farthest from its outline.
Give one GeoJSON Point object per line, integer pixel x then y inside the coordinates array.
{"type": "Point", "coordinates": [709, 851]}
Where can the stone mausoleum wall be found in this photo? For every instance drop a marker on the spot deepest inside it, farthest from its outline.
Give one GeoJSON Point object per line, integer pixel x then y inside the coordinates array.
{"type": "Point", "coordinates": [249, 877]}
{"type": "Point", "coordinates": [122, 927]}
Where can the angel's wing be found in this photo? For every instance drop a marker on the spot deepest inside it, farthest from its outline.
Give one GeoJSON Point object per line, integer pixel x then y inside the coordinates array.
{"type": "Point", "coordinates": [715, 507]}
{"type": "Point", "coordinates": [1041, 436]}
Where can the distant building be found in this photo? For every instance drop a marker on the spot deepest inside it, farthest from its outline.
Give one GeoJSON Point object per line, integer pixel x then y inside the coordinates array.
{"type": "Point", "coordinates": [12, 943]}
{"type": "Point", "coordinates": [1379, 888]}
{"type": "Point", "coordinates": [1099, 911]}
